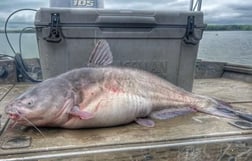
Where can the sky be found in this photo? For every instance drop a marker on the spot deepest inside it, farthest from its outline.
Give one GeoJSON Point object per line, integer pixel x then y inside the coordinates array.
{"type": "Point", "coordinates": [215, 11]}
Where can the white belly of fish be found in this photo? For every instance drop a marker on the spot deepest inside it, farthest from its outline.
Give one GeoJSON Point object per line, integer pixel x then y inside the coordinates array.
{"type": "Point", "coordinates": [113, 109]}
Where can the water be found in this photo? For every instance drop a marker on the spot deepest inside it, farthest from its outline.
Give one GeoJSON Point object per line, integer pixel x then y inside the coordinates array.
{"type": "Point", "coordinates": [29, 44]}
{"type": "Point", "coordinates": [226, 46]}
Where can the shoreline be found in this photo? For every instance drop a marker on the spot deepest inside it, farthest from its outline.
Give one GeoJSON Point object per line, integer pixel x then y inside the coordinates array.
{"type": "Point", "coordinates": [208, 28]}
{"type": "Point", "coordinates": [18, 31]}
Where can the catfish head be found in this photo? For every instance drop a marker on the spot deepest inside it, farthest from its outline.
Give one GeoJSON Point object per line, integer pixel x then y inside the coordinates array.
{"type": "Point", "coordinates": [53, 102]}
{"type": "Point", "coordinates": [45, 104]}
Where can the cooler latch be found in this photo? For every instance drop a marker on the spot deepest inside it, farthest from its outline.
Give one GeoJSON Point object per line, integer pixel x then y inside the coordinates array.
{"type": "Point", "coordinates": [55, 33]}
{"type": "Point", "coordinates": [190, 37]}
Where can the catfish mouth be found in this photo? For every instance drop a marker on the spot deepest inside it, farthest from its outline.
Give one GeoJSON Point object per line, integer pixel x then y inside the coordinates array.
{"type": "Point", "coordinates": [20, 117]}
{"type": "Point", "coordinates": [14, 116]}
{"type": "Point", "coordinates": [13, 113]}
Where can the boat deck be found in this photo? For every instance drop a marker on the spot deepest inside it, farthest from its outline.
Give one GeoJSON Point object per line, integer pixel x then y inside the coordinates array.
{"type": "Point", "coordinates": [194, 136]}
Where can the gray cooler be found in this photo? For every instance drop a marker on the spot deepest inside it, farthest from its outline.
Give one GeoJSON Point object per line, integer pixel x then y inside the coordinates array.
{"type": "Point", "coordinates": [162, 42]}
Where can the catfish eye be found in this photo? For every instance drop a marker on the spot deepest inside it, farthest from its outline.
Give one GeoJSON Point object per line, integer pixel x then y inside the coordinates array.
{"type": "Point", "coordinates": [29, 103]}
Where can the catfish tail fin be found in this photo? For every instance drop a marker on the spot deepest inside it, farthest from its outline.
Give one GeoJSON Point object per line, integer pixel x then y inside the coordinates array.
{"type": "Point", "coordinates": [223, 109]}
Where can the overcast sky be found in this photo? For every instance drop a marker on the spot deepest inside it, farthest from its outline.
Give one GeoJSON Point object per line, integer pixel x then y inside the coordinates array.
{"type": "Point", "coordinates": [216, 11]}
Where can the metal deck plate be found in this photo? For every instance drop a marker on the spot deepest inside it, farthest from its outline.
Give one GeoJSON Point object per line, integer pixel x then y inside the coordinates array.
{"type": "Point", "coordinates": [180, 132]}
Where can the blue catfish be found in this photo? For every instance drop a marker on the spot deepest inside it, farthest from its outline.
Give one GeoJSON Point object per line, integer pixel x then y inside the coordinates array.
{"type": "Point", "coordinates": [101, 96]}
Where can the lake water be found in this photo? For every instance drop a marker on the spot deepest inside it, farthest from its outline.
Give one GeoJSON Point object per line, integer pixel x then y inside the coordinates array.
{"type": "Point", "coordinates": [226, 46]}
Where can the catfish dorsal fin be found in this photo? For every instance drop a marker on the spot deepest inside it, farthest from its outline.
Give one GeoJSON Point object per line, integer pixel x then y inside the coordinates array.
{"type": "Point", "coordinates": [101, 54]}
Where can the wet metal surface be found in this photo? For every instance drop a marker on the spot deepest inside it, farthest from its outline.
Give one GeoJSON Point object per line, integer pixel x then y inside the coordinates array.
{"type": "Point", "coordinates": [224, 89]}
{"type": "Point", "coordinates": [181, 132]}
{"type": "Point", "coordinates": [16, 142]}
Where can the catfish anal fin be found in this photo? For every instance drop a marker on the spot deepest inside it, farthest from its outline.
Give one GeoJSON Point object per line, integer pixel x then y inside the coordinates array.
{"type": "Point", "coordinates": [166, 114]}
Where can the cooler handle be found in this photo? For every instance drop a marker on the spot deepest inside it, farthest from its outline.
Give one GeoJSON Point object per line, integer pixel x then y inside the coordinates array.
{"type": "Point", "coordinates": [126, 20]}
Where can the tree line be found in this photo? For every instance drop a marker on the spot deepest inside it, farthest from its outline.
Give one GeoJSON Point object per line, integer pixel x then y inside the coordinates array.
{"type": "Point", "coordinates": [228, 27]}
{"type": "Point", "coordinates": [208, 28]}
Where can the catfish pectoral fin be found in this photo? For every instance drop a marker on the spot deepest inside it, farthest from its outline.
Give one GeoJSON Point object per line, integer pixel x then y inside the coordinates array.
{"type": "Point", "coordinates": [84, 115]}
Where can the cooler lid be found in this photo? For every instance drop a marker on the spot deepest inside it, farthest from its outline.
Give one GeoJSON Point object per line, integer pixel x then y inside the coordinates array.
{"type": "Point", "coordinates": [104, 23]}
{"type": "Point", "coordinates": [125, 18]}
